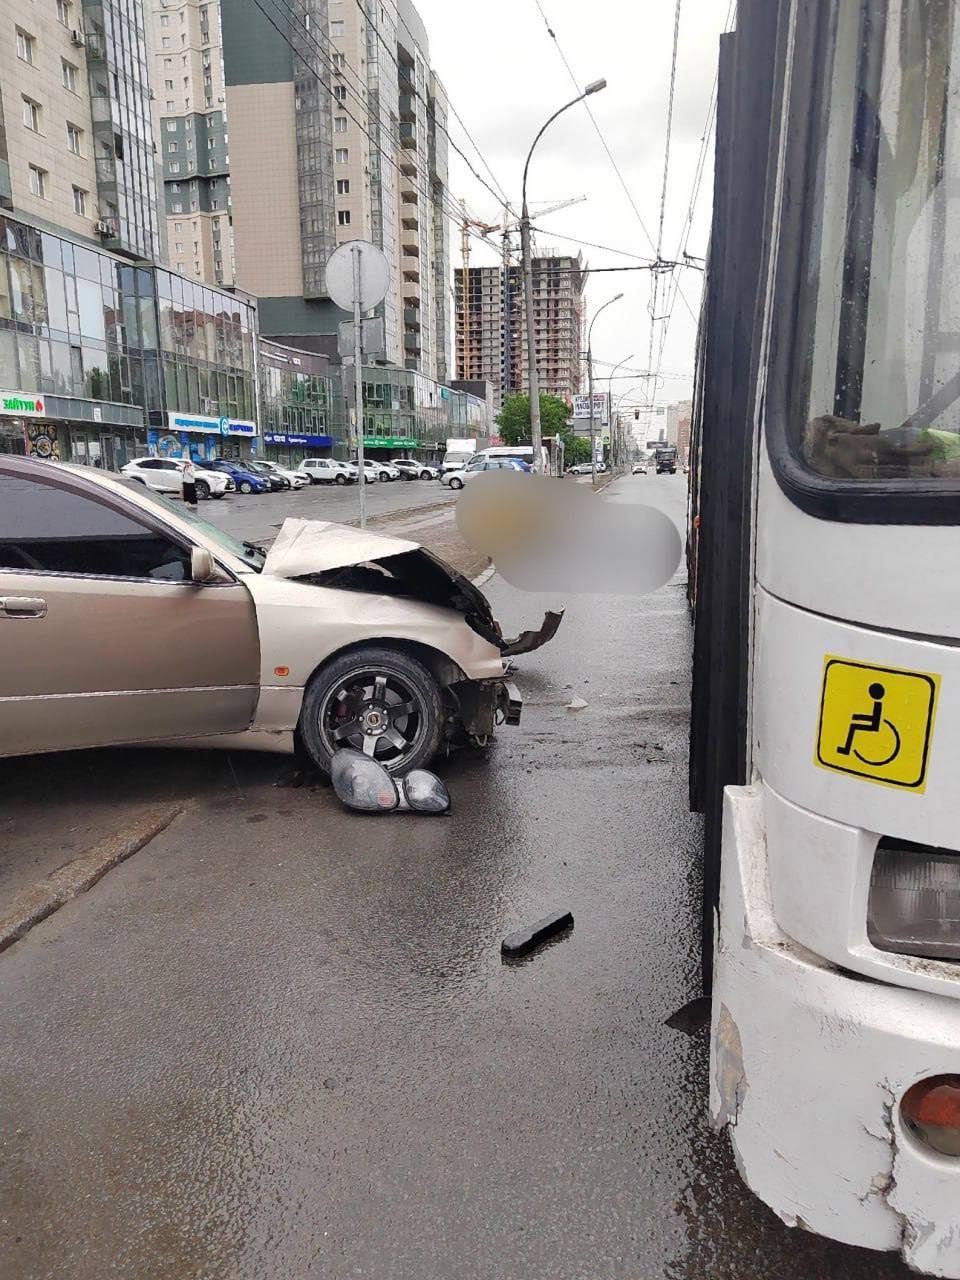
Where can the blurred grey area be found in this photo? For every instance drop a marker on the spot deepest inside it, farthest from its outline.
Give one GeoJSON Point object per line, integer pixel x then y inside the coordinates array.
{"type": "Point", "coordinates": [545, 534]}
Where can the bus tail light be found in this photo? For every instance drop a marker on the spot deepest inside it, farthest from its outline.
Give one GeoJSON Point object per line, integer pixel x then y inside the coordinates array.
{"type": "Point", "coordinates": [914, 906]}
{"type": "Point", "coordinates": [931, 1112]}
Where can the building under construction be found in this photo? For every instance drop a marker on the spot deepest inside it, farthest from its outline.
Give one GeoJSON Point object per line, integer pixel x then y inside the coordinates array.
{"type": "Point", "coordinates": [491, 332]}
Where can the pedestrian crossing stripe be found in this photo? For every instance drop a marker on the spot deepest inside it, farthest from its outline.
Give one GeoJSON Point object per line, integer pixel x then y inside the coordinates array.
{"type": "Point", "coordinates": [876, 723]}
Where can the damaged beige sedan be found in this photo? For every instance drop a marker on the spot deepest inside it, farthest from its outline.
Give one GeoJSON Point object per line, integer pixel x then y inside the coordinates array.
{"type": "Point", "coordinates": [125, 619]}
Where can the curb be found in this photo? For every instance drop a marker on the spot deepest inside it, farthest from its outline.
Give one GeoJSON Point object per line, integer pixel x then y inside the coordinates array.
{"type": "Point", "coordinates": [482, 579]}
{"type": "Point", "coordinates": [43, 899]}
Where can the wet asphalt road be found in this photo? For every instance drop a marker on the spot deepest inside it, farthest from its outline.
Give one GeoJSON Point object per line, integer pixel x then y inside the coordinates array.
{"type": "Point", "coordinates": [280, 1040]}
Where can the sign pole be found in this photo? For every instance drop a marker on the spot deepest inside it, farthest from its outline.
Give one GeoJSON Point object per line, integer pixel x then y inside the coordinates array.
{"type": "Point", "coordinates": [358, 382]}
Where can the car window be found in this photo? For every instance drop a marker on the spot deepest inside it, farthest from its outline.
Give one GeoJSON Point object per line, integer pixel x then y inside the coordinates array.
{"type": "Point", "coordinates": [48, 529]}
{"type": "Point", "coordinates": [149, 464]}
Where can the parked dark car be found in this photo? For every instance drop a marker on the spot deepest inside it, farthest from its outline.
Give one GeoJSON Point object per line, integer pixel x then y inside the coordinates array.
{"type": "Point", "coordinates": [246, 481]}
{"type": "Point", "coordinates": [273, 479]}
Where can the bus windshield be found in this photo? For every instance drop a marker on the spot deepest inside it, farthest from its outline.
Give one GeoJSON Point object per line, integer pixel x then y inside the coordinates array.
{"type": "Point", "coordinates": [876, 352]}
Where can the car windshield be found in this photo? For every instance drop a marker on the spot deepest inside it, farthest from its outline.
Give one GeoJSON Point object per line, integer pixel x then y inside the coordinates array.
{"type": "Point", "coordinates": [248, 552]}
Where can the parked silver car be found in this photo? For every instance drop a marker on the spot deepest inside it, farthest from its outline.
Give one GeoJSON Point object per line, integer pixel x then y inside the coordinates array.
{"type": "Point", "coordinates": [124, 618]}
{"type": "Point", "coordinates": [411, 469]}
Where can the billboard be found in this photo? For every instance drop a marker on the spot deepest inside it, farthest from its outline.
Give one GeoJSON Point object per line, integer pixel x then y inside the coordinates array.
{"type": "Point", "coordinates": [581, 407]}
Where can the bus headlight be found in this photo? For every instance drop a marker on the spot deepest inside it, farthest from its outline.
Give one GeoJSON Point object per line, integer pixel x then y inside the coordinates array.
{"type": "Point", "coordinates": [914, 906]}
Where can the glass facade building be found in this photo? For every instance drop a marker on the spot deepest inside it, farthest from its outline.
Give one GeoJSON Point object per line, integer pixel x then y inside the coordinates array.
{"type": "Point", "coordinates": [116, 58]}
{"type": "Point", "coordinates": [102, 361]}
{"type": "Point", "coordinates": [107, 350]}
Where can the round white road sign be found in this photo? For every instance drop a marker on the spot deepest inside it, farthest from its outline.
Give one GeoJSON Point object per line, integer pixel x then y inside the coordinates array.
{"type": "Point", "coordinates": [374, 275]}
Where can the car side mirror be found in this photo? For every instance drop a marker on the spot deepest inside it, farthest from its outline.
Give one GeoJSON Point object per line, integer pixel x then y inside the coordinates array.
{"type": "Point", "coordinates": [203, 567]}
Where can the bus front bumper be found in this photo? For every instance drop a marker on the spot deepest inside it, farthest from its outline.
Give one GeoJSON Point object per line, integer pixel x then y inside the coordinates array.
{"type": "Point", "coordinates": [808, 1066]}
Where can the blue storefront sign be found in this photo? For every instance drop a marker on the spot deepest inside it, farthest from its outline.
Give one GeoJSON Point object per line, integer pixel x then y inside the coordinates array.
{"type": "Point", "coordinates": [215, 426]}
{"type": "Point", "coordinates": [282, 437]}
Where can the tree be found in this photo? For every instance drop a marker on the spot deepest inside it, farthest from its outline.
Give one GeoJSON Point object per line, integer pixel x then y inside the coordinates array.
{"type": "Point", "coordinates": [514, 418]}
{"type": "Point", "coordinates": [575, 449]}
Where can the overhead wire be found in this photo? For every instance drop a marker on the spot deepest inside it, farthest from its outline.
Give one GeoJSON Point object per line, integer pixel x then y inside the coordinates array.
{"type": "Point", "coordinates": [699, 170]}
{"type": "Point", "coordinates": [655, 280]}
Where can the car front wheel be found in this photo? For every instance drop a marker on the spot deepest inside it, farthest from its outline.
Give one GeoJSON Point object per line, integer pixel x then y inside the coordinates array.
{"type": "Point", "coordinates": [203, 490]}
{"type": "Point", "coordinates": [456, 483]}
{"type": "Point", "coordinates": [341, 479]}
{"type": "Point", "coordinates": [424, 475]}
{"type": "Point", "coordinates": [245, 486]}
{"type": "Point", "coordinates": [378, 701]}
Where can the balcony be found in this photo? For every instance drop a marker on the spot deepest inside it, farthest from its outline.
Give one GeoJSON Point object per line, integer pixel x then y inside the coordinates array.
{"type": "Point", "coordinates": [410, 250]}
{"type": "Point", "coordinates": [410, 223]}
{"type": "Point", "coordinates": [408, 135]}
{"type": "Point", "coordinates": [411, 318]}
{"type": "Point", "coordinates": [408, 108]}
{"type": "Point", "coordinates": [408, 166]}
{"type": "Point", "coordinates": [411, 342]}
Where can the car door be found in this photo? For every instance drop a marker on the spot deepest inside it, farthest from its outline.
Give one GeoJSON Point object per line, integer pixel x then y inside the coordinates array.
{"type": "Point", "coordinates": [103, 636]}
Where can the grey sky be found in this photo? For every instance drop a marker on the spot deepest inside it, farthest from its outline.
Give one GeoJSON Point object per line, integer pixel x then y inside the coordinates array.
{"type": "Point", "coordinates": [505, 77]}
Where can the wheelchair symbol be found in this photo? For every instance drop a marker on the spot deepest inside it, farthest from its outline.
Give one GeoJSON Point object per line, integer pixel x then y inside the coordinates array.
{"type": "Point", "coordinates": [873, 722]}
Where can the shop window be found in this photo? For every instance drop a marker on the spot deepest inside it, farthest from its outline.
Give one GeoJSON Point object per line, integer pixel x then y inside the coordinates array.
{"type": "Point", "coordinates": [47, 529]}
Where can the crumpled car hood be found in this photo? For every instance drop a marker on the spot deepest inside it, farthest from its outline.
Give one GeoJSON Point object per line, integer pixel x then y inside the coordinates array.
{"type": "Point", "coordinates": [304, 547]}
{"type": "Point", "coordinates": [338, 555]}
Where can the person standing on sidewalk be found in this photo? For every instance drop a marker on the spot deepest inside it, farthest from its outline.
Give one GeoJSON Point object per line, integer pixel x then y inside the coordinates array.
{"type": "Point", "coordinates": [190, 483]}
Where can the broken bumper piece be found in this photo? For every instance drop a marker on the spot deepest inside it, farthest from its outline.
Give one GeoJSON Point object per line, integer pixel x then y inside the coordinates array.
{"type": "Point", "coordinates": [527, 641]}
{"type": "Point", "coordinates": [808, 1068]}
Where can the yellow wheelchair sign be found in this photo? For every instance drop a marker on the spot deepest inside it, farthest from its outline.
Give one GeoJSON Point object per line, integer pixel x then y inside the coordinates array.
{"type": "Point", "coordinates": [877, 722]}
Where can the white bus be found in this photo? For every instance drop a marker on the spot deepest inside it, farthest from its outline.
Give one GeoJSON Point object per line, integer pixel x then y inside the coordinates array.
{"type": "Point", "coordinates": [823, 553]}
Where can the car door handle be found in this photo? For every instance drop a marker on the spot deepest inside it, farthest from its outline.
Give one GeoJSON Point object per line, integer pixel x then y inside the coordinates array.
{"type": "Point", "coordinates": [22, 607]}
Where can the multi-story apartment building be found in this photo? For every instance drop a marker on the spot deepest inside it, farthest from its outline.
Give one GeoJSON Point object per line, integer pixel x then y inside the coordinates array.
{"type": "Point", "coordinates": [191, 131]}
{"type": "Point", "coordinates": [337, 128]}
{"type": "Point", "coordinates": [491, 334]}
{"type": "Point", "coordinates": [76, 132]}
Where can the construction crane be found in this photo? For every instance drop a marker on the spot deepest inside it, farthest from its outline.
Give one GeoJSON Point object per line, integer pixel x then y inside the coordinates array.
{"type": "Point", "coordinates": [508, 224]}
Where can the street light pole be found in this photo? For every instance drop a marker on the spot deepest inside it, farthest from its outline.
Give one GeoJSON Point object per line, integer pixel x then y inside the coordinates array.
{"type": "Point", "coordinates": [593, 421]}
{"type": "Point", "coordinates": [615, 449]}
{"type": "Point", "coordinates": [533, 380]}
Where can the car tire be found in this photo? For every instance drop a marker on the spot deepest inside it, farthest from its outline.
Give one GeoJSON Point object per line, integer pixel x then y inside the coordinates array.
{"type": "Point", "coordinates": [245, 486]}
{"type": "Point", "coordinates": [341, 479]}
{"type": "Point", "coordinates": [203, 490]}
{"type": "Point", "coordinates": [424, 475]}
{"type": "Point", "coordinates": [407, 682]}
{"type": "Point", "coordinates": [456, 483]}
{"type": "Point", "coordinates": [383, 477]}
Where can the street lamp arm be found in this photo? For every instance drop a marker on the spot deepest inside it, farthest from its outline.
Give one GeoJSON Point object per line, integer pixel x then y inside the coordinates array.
{"type": "Point", "coordinates": [533, 147]}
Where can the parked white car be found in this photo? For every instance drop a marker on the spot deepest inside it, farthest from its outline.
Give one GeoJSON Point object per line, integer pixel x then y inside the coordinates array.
{"type": "Point", "coordinates": [293, 479]}
{"type": "Point", "coordinates": [374, 471]}
{"type": "Point", "coordinates": [411, 469]}
{"type": "Point", "coordinates": [326, 471]}
{"type": "Point", "coordinates": [165, 476]}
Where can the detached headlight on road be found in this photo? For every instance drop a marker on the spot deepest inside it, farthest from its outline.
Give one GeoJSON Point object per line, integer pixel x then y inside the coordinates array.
{"type": "Point", "coordinates": [914, 906]}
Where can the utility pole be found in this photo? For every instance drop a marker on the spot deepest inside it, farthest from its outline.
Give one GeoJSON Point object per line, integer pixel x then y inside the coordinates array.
{"type": "Point", "coordinates": [358, 379]}
{"type": "Point", "coordinates": [506, 377]}
{"type": "Point", "coordinates": [615, 442]}
{"type": "Point", "coordinates": [593, 428]}
{"type": "Point", "coordinates": [533, 380]}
